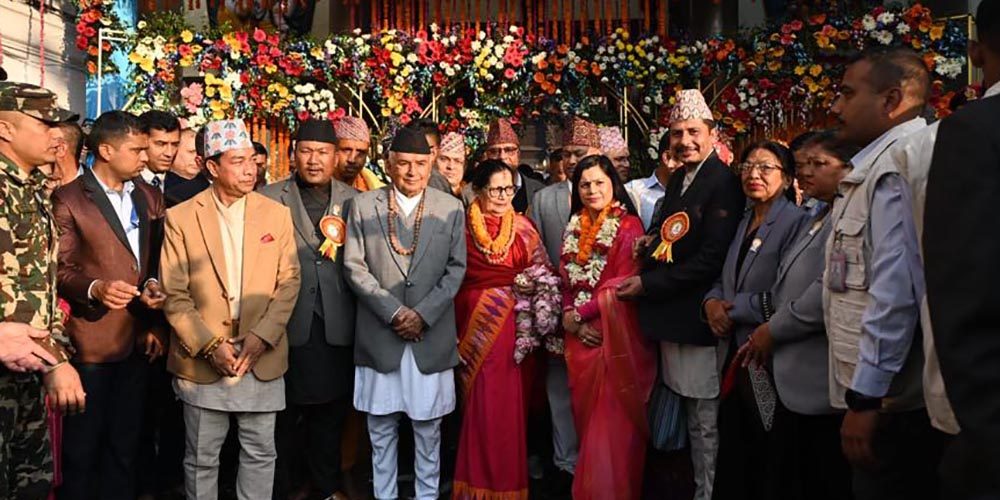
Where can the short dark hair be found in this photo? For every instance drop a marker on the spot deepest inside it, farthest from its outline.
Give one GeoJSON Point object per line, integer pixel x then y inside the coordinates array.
{"type": "Point", "coordinates": [259, 149]}
{"type": "Point", "coordinates": [159, 120]}
{"type": "Point", "coordinates": [481, 175]}
{"type": "Point", "coordinates": [988, 24]}
{"type": "Point", "coordinates": [664, 143]}
{"type": "Point", "coordinates": [617, 186]}
{"type": "Point", "coordinates": [894, 66]}
{"type": "Point", "coordinates": [801, 139]}
{"type": "Point", "coordinates": [828, 141]}
{"type": "Point", "coordinates": [199, 142]}
{"type": "Point", "coordinates": [73, 134]}
{"type": "Point", "coordinates": [784, 156]}
{"type": "Point", "coordinates": [111, 127]}
{"type": "Point", "coordinates": [556, 155]}
{"type": "Point", "coordinates": [427, 126]}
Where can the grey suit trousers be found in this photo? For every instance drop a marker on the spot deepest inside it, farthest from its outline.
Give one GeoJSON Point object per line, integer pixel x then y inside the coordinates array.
{"type": "Point", "coordinates": [206, 431]}
{"type": "Point", "coordinates": [564, 440]}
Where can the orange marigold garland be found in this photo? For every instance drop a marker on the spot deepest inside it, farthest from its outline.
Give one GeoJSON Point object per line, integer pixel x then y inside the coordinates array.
{"type": "Point", "coordinates": [495, 250]}
{"type": "Point", "coordinates": [595, 242]}
{"type": "Point", "coordinates": [588, 233]}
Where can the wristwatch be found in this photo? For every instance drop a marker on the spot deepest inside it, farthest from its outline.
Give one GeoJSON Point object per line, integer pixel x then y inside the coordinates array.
{"type": "Point", "coordinates": [859, 402]}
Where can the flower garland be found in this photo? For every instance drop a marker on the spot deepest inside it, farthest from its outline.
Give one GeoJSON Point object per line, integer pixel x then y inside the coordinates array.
{"type": "Point", "coordinates": [536, 310]}
{"type": "Point", "coordinates": [769, 76]}
{"type": "Point", "coordinates": [94, 15]}
{"type": "Point", "coordinates": [588, 233]}
{"type": "Point", "coordinates": [495, 250]}
{"type": "Point", "coordinates": [586, 274]}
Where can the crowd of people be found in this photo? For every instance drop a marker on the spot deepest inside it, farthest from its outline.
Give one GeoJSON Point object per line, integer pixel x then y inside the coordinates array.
{"type": "Point", "coordinates": [811, 320]}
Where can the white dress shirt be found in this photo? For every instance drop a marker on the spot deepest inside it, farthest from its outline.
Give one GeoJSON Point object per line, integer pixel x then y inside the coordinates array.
{"type": "Point", "coordinates": [121, 202]}
{"type": "Point", "coordinates": [645, 193]}
{"type": "Point", "coordinates": [153, 179]}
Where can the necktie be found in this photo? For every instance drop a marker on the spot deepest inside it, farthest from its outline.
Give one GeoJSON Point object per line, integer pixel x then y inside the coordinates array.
{"type": "Point", "coordinates": [157, 183]}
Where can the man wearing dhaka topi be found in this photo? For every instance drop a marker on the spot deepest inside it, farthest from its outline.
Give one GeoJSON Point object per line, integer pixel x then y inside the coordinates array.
{"type": "Point", "coordinates": [353, 143]}
{"type": "Point", "coordinates": [405, 258]}
{"type": "Point", "coordinates": [231, 274]}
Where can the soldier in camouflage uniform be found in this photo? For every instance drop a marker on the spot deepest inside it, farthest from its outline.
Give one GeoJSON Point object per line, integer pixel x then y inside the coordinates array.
{"type": "Point", "coordinates": [27, 292]}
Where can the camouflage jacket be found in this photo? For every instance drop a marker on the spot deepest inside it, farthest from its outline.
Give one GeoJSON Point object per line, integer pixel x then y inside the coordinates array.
{"type": "Point", "coordinates": [28, 245]}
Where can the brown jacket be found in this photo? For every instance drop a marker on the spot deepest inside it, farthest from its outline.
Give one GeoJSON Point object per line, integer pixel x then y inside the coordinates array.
{"type": "Point", "coordinates": [92, 246]}
{"type": "Point", "coordinates": [193, 274]}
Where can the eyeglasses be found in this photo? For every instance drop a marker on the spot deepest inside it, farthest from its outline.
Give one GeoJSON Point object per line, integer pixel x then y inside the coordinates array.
{"type": "Point", "coordinates": [502, 151]}
{"type": "Point", "coordinates": [763, 168]}
{"type": "Point", "coordinates": [495, 192]}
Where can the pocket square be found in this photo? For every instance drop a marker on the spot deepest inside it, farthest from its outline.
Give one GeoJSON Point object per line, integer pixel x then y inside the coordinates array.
{"type": "Point", "coordinates": [267, 238]}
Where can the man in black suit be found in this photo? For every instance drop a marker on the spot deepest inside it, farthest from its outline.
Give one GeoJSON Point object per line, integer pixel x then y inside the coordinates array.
{"type": "Point", "coordinates": [186, 177]}
{"type": "Point", "coordinates": [320, 377]}
{"type": "Point", "coordinates": [699, 214]}
{"type": "Point", "coordinates": [960, 258]}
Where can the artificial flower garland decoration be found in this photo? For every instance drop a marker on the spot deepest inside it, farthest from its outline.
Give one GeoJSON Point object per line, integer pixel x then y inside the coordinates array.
{"type": "Point", "coordinates": [495, 250]}
{"type": "Point", "coordinates": [536, 310]}
{"type": "Point", "coordinates": [585, 274]}
{"type": "Point", "coordinates": [769, 76]}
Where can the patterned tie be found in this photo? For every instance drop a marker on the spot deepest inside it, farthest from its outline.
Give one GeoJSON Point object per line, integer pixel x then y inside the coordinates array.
{"type": "Point", "coordinates": [157, 183]}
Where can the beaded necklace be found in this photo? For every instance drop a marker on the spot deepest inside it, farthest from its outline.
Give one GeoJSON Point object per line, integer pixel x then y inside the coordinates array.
{"type": "Point", "coordinates": [393, 238]}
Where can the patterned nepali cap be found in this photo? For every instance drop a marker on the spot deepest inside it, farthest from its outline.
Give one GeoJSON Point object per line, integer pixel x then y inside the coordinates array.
{"type": "Point", "coordinates": [580, 132]}
{"type": "Point", "coordinates": [690, 105]}
{"type": "Point", "coordinates": [611, 140]}
{"type": "Point", "coordinates": [352, 128]}
{"type": "Point", "coordinates": [33, 101]}
{"type": "Point", "coordinates": [226, 135]}
{"type": "Point", "coordinates": [452, 142]}
{"type": "Point", "coordinates": [501, 132]}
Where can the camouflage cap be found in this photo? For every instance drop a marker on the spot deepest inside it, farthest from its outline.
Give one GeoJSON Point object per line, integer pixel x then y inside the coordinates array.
{"type": "Point", "coordinates": [33, 101]}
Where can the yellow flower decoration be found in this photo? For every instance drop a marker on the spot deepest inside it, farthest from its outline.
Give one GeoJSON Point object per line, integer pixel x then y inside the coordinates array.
{"type": "Point", "coordinates": [937, 31]}
{"type": "Point", "coordinates": [815, 70]}
{"type": "Point", "coordinates": [187, 36]}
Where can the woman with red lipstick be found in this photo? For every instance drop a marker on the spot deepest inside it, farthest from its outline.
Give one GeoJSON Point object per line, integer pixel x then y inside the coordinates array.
{"type": "Point", "coordinates": [739, 301]}
{"type": "Point", "coordinates": [611, 365]}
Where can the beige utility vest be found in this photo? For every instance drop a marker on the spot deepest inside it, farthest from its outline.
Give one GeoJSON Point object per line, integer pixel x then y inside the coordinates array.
{"type": "Point", "coordinates": [843, 310]}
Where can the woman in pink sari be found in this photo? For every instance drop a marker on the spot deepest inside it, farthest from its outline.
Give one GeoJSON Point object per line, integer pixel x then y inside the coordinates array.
{"type": "Point", "coordinates": [611, 366]}
{"type": "Point", "coordinates": [493, 339]}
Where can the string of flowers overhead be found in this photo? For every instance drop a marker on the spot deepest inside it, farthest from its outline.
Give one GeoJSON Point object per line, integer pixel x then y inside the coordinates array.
{"type": "Point", "coordinates": [758, 79]}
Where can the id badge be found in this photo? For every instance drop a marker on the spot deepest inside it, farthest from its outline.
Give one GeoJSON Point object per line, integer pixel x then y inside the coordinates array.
{"type": "Point", "coordinates": [837, 277]}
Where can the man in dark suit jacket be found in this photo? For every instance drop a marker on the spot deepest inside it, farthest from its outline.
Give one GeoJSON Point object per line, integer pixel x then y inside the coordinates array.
{"type": "Point", "coordinates": [961, 243]}
{"type": "Point", "coordinates": [702, 206]}
{"type": "Point", "coordinates": [320, 374]}
{"type": "Point", "coordinates": [186, 177]}
{"type": "Point", "coordinates": [110, 234]}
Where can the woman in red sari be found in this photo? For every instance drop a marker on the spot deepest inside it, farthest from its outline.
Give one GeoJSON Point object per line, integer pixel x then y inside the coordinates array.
{"type": "Point", "coordinates": [492, 450]}
{"type": "Point", "coordinates": [611, 366]}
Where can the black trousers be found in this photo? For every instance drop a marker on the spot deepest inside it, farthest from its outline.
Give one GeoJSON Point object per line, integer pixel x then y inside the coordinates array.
{"type": "Point", "coordinates": [813, 464]}
{"type": "Point", "coordinates": [100, 445]}
{"type": "Point", "coordinates": [161, 446]}
{"type": "Point", "coordinates": [908, 451]}
{"type": "Point", "coordinates": [308, 439]}
{"type": "Point", "coordinates": [749, 458]}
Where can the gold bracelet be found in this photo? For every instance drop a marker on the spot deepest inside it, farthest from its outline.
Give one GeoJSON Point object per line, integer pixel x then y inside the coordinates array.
{"type": "Point", "coordinates": [207, 351]}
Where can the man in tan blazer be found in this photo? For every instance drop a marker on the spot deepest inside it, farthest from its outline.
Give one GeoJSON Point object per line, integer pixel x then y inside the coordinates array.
{"type": "Point", "coordinates": [231, 275]}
